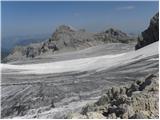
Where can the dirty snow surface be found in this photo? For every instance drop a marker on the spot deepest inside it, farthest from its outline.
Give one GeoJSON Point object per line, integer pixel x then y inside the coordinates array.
{"type": "Point", "coordinates": [53, 86]}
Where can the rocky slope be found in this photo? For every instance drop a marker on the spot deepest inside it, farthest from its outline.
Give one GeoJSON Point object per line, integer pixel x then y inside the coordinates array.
{"type": "Point", "coordinates": [65, 38]}
{"type": "Point", "coordinates": [137, 101]}
{"type": "Point", "coordinates": [151, 34]}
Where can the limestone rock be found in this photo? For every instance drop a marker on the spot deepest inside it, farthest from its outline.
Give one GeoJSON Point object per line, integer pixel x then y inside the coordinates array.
{"type": "Point", "coordinates": [137, 101]}
{"type": "Point", "coordinates": [95, 115]}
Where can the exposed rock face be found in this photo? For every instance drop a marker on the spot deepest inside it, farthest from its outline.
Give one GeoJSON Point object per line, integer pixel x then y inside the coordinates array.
{"type": "Point", "coordinates": [138, 101]}
{"type": "Point", "coordinates": [66, 38]}
{"type": "Point", "coordinates": [20, 52]}
{"type": "Point", "coordinates": [151, 34]}
{"type": "Point", "coordinates": [114, 35]}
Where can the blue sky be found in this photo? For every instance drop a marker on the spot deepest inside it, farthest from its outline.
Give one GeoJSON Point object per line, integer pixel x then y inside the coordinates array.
{"type": "Point", "coordinates": [29, 18]}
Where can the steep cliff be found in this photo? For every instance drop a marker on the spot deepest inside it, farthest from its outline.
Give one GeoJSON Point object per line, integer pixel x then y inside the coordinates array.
{"type": "Point", "coordinates": [151, 34]}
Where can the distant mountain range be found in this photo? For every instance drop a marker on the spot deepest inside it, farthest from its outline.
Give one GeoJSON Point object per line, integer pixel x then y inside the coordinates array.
{"type": "Point", "coordinates": [64, 39]}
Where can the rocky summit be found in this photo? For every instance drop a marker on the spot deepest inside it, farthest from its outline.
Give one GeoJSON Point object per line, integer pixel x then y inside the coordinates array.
{"type": "Point", "coordinates": [65, 39]}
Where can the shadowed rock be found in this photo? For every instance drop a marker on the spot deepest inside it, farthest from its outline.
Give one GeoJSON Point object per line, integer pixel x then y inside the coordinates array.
{"type": "Point", "coordinates": [151, 34]}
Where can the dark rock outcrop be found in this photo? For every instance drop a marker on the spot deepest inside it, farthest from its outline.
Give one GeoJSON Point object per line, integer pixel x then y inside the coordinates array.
{"type": "Point", "coordinates": [151, 34]}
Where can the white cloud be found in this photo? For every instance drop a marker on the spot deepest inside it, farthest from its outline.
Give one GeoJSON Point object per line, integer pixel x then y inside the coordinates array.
{"type": "Point", "coordinates": [125, 8]}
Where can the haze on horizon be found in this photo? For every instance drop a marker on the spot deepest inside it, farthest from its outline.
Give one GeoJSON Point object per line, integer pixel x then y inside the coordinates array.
{"type": "Point", "coordinates": [29, 18]}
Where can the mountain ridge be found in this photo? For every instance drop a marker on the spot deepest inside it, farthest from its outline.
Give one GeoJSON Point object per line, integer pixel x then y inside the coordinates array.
{"type": "Point", "coordinates": [66, 38]}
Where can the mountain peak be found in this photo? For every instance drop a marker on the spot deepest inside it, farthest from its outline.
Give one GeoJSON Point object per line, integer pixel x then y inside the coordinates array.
{"type": "Point", "coordinates": [64, 28]}
{"type": "Point", "coordinates": [115, 32]}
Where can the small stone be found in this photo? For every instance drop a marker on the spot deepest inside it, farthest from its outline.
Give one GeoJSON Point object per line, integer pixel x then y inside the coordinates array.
{"type": "Point", "coordinates": [112, 116]}
{"type": "Point", "coordinates": [103, 100]}
{"type": "Point", "coordinates": [95, 115]}
{"type": "Point", "coordinates": [138, 115]}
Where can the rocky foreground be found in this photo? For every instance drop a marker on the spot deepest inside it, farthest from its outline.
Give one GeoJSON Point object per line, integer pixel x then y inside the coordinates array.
{"type": "Point", "coordinates": [140, 100]}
